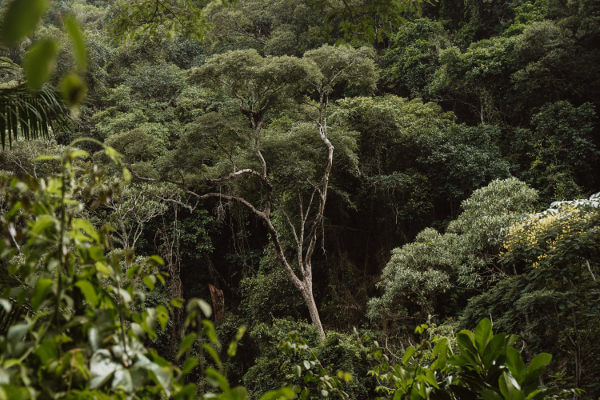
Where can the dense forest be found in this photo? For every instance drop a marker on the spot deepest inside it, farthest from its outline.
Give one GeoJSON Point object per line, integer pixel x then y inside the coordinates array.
{"type": "Point", "coordinates": [277, 199]}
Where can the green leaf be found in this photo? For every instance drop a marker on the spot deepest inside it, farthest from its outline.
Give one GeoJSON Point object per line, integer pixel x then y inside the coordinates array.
{"type": "Point", "coordinates": [77, 153]}
{"type": "Point", "coordinates": [483, 334]}
{"type": "Point", "coordinates": [88, 291]}
{"type": "Point", "coordinates": [199, 304]}
{"type": "Point", "coordinates": [534, 394]}
{"type": "Point", "coordinates": [94, 338]}
{"type": "Point", "coordinates": [158, 260]}
{"type": "Point", "coordinates": [421, 328]}
{"type": "Point", "coordinates": [103, 269]}
{"type": "Point", "coordinates": [149, 281]}
{"type": "Point", "coordinates": [86, 226]}
{"type": "Point", "coordinates": [6, 305]}
{"type": "Point", "coordinates": [47, 351]}
{"type": "Point", "coordinates": [177, 302]}
{"type": "Point", "coordinates": [189, 391]}
{"type": "Point", "coordinates": [430, 378]}
{"type": "Point", "coordinates": [185, 344]}
{"type": "Point", "coordinates": [465, 341]}
{"type": "Point", "coordinates": [113, 154]}
{"type": "Point", "coordinates": [209, 329]}
{"type": "Point", "coordinates": [232, 349]}
{"type": "Point", "coordinates": [213, 354]}
{"type": "Point", "coordinates": [408, 354]}
{"type": "Point", "coordinates": [39, 63]}
{"type": "Point", "coordinates": [345, 376]}
{"type": "Point", "coordinates": [189, 364]}
{"type": "Point", "coordinates": [42, 223]}
{"type": "Point", "coordinates": [79, 49]}
{"type": "Point", "coordinates": [126, 175]}
{"type": "Point", "coordinates": [540, 361]}
{"type": "Point", "coordinates": [17, 332]}
{"type": "Point", "coordinates": [40, 291]}
{"type": "Point", "coordinates": [123, 379]}
{"type": "Point", "coordinates": [137, 330]}
{"type": "Point", "coordinates": [72, 89]}
{"type": "Point", "coordinates": [47, 157]}
{"type": "Point", "coordinates": [494, 349]}
{"type": "Point", "coordinates": [148, 323]}
{"type": "Point", "coordinates": [515, 364]}
{"type": "Point", "coordinates": [537, 366]}
{"type": "Point", "coordinates": [512, 340]}
{"type": "Point", "coordinates": [163, 376]}
{"type": "Point", "coordinates": [124, 295]}
{"type": "Point", "coordinates": [508, 387]}
{"type": "Point", "coordinates": [488, 394]}
{"type": "Point", "coordinates": [240, 333]}
{"type": "Point", "coordinates": [305, 393]}
{"type": "Point", "coordinates": [238, 393]}
{"type": "Point", "coordinates": [285, 393]}
{"type": "Point", "coordinates": [440, 351]}
{"type": "Point", "coordinates": [216, 379]}
{"type": "Point", "coordinates": [20, 20]}
{"type": "Point", "coordinates": [132, 271]}
{"type": "Point", "coordinates": [163, 316]}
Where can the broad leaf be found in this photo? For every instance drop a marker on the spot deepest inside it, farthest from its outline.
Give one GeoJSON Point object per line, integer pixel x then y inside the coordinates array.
{"type": "Point", "coordinates": [483, 334]}
{"type": "Point", "coordinates": [537, 366]}
{"type": "Point", "coordinates": [88, 292]}
{"type": "Point", "coordinates": [79, 49]}
{"type": "Point", "coordinates": [20, 20]}
{"type": "Point", "coordinates": [102, 368]}
{"type": "Point", "coordinates": [39, 62]}
{"type": "Point", "coordinates": [515, 364]}
{"type": "Point", "coordinates": [40, 291]}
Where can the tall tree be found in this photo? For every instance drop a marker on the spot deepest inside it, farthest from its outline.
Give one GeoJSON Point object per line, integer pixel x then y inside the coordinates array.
{"type": "Point", "coordinates": [261, 85]}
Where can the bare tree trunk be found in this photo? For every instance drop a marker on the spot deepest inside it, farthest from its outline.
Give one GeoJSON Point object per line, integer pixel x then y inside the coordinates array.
{"type": "Point", "coordinates": [304, 285]}
{"type": "Point", "coordinates": [218, 302]}
{"type": "Point", "coordinates": [309, 299]}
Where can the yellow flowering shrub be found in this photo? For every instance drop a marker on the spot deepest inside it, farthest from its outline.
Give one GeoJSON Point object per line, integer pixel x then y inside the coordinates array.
{"type": "Point", "coordinates": [566, 232]}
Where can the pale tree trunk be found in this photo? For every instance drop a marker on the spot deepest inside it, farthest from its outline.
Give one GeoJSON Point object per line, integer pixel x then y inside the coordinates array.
{"type": "Point", "coordinates": [304, 285]}
{"type": "Point", "coordinates": [309, 299]}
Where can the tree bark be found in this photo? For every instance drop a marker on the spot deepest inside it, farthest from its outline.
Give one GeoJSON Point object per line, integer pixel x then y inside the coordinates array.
{"type": "Point", "coordinates": [309, 299]}
{"type": "Point", "coordinates": [304, 285]}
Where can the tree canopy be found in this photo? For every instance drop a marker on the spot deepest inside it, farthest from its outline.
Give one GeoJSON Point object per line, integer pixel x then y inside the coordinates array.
{"type": "Point", "coordinates": [277, 199]}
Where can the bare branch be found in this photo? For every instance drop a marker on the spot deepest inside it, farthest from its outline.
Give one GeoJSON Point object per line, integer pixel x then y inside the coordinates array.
{"type": "Point", "coordinates": [291, 225]}
{"type": "Point", "coordinates": [298, 242]}
{"type": "Point", "coordinates": [188, 207]}
{"type": "Point", "coordinates": [229, 197]}
{"type": "Point", "coordinates": [237, 174]}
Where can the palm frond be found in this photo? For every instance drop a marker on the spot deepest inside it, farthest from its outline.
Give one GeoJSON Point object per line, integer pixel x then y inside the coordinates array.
{"type": "Point", "coordinates": [29, 114]}
{"type": "Point", "coordinates": [25, 113]}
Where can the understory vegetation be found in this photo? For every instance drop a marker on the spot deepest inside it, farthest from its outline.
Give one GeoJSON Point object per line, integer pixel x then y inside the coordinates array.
{"type": "Point", "coordinates": [279, 199]}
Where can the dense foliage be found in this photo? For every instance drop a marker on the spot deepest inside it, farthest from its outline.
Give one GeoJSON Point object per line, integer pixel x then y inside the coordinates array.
{"type": "Point", "coordinates": [367, 188]}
